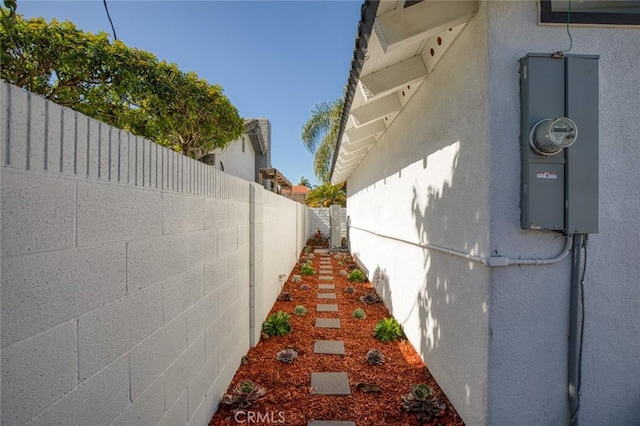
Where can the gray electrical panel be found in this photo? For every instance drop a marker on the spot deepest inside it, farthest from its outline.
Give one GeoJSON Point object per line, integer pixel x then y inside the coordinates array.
{"type": "Point", "coordinates": [559, 100]}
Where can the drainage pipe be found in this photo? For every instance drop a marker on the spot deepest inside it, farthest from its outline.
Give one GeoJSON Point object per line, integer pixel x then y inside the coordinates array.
{"type": "Point", "coordinates": [491, 261]}
{"type": "Point", "coordinates": [575, 338]}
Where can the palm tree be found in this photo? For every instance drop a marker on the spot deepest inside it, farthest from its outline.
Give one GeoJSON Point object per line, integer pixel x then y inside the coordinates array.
{"type": "Point", "coordinates": [327, 194]}
{"type": "Point", "coordinates": [305, 182]}
{"type": "Point", "coordinates": [320, 135]}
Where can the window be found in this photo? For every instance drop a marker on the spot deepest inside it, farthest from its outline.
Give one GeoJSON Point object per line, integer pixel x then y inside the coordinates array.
{"type": "Point", "coordinates": [590, 12]}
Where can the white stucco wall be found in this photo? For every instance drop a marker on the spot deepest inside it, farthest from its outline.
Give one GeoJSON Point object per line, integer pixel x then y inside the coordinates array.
{"type": "Point", "coordinates": [427, 179]}
{"type": "Point", "coordinates": [236, 162]}
{"type": "Point", "coordinates": [530, 305]}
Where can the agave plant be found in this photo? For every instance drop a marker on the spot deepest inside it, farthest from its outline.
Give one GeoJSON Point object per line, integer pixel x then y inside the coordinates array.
{"type": "Point", "coordinates": [243, 395]}
{"type": "Point", "coordinates": [375, 357]}
{"type": "Point", "coordinates": [388, 329]}
{"type": "Point", "coordinates": [423, 402]}
{"type": "Point", "coordinates": [287, 355]}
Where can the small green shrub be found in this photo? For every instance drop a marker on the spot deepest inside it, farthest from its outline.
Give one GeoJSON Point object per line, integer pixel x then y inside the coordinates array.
{"type": "Point", "coordinates": [357, 275]}
{"type": "Point", "coordinates": [307, 270]}
{"type": "Point", "coordinates": [307, 249]}
{"type": "Point", "coordinates": [359, 314]}
{"type": "Point", "coordinates": [423, 402]}
{"type": "Point", "coordinates": [277, 324]}
{"type": "Point", "coordinates": [300, 310]}
{"type": "Point", "coordinates": [387, 329]}
{"type": "Point", "coordinates": [309, 263]}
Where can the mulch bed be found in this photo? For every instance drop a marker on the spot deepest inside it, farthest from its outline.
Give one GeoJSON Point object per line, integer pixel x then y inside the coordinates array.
{"type": "Point", "coordinates": [288, 396]}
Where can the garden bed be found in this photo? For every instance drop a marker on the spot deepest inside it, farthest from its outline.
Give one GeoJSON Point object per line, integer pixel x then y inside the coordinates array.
{"type": "Point", "coordinates": [288, 399]}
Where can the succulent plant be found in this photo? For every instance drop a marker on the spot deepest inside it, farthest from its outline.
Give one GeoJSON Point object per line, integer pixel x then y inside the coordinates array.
{"type": "Point", "coordinates": [388, 329]}
{"type": "Point", "coordinates": [349, 289]}
{"type": "Point", "coordinates": [307, 249]}
{"type": "Point", "coordinates": [243, 395]}
{"type": "Point", "coordinates": [423, 402]}
{"type": "Point", "coordinates": [300, 310]}
{"type": "Point", "coordinates": [309, 263]}
{"type": "Point", "coordinates": [277, 324]}
{"type": "Point", "coordinates": [305, 287]}
{"type": "Point", "coordinates": [375, 357]}
{"type": "Point", "coordinates": [311, 256]}
{"type": "Point", "coordinates": [340, 264]}
{"type": "Point", "coordinates": [370, 298]}
{"type": "Point", "coordinates": [307, 270]}
{"type": "Point", "coordinates": [337, 256]}
{"type": "Point", "coordinates": [348, 259]}
{"type": "Point", "coordinates": [359, 314]}
{"type": "Point", "coordinates": [286, 297]}
{"type": "Point", "coordinates": [296, 278]}
{"type": "Point", "coordinates": [357, 275]}
{"type": "Point", "coordinates": [287, 355]}
{"type": "Point", "coordinates": [343, 273]}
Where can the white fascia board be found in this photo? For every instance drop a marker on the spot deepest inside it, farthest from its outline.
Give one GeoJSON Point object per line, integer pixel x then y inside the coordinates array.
{"type": "Point", "coordinates": [420, 21]}
{"type": "Point", "coordinates": [377, 109]}
{"type": "Point", "coordinates": [393, 77]}
{"type": "Point", "coordinates": [350, 148]}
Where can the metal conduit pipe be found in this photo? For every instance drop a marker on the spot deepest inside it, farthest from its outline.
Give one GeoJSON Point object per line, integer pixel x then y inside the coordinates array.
{"type": "Point", "coordinates": [490, 261]}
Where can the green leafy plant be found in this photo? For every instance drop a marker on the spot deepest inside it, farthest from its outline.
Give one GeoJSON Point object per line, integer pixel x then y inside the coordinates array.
{"type": "Point", "coordinates": [300, 310]}
{"type": "Point", "coordinates": [423, 402]}
{"type": "Point", "coordinates": [277, 324]}
{"type": "Point", "coordinates": [309, 263]}
{"type": "Point", "coordinates": [357, 276]}
{"type": "Point", "coordinates": [296, 278]}
{"type": "Point", "coordinates": [375, 357]}
{"type": "Point", "coordinates": [307, 270]}
{"type": "Point", "coordinates": [307, 249]}
{"type": "Point", "coordinates": [359, 314]}
{"type": "Point", "coordinates": [348, 259]}
{"type": "Point", "coordinates": [388, 329]}
{"type": "Point", "coordinates": [340, 264]}
{"type": "Point", "coordinates": [244, 395]}
{"type": "Point", "coordinates": [370, 299]}
{"type": "Point", "coordinates": [287, 355]}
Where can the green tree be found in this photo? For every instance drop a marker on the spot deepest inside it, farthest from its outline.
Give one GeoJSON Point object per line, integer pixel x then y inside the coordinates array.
{"type": "Point", "coordinates": [326, 194]}
{"type": "Point", "coordinates": [320, 135]}
{"type": "Point", "coordinates": [122, 86]}
{"type": "Point", "coordinates": [304, 181]}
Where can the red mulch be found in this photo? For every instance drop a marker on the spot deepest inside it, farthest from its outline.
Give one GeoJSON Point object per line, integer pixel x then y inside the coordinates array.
{"type": "Point", "coordinates": [288, 385]}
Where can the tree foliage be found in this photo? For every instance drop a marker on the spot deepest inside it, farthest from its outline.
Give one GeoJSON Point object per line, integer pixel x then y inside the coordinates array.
{"type": "Point", "coordinates": [326, 194]}
{"type": "Point", "coordinates": [126, 87]}
{"type": "Point", "coordinates": [320, 135]}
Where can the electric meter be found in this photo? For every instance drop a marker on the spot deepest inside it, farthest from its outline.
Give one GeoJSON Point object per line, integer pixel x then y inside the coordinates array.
{"type": "Point", "coordinates": [550, 136]}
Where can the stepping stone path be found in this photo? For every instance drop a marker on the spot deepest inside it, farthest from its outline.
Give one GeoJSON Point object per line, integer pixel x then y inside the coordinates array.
{"type": "Point", "coordinates": [328, 382]}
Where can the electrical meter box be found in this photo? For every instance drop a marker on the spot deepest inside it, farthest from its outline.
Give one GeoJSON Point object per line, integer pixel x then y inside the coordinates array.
{"type": "Point", "coordinates": [559, 142]}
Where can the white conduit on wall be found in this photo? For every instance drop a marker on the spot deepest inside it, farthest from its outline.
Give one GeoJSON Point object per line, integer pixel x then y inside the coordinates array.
{"type": "Point", "coordinates": [491, 261]}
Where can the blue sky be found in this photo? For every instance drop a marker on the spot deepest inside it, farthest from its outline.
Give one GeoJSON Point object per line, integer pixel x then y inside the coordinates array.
{"type": "Point", "coordinates": [274, 59]}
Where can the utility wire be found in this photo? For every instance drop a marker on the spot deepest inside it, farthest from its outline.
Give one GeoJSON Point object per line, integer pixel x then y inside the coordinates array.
{"type": "Point", "coordinates": [115, 37]}
{"type": "Point", "coordinates": [574, 415]}
{"type": "Point", "coordinates": [568, 31]}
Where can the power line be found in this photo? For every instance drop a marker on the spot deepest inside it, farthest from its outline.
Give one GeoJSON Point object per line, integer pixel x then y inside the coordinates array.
{"type": "Point", "coordinates": [115, 37]}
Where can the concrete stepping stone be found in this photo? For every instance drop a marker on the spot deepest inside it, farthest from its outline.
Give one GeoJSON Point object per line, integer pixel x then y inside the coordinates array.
{"type": "Point", "coordinates": [326, 295]}
{"type": "Point", "coordinates": [328, 322]}
{"type": "Point", "coordinates": [326, 270]}
{"type": "Point", "coordinates": [326, 286]}
{"type": "Point", "coordinates": [326, 277]}
{"type": "Point", "coordinates": [330, 384]}
{"type": "Point", "coordinates": [326, 308]}
{"type": "Point", "coordinates": [329, 423]}
{"type": "Point", "coordinates": [329, 347]}
{"type": "Point", "coordinates": [321, 251]}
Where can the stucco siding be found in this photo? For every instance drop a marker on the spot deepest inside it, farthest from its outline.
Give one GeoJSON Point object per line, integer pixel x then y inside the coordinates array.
{"type": "Point", "coordinates": [529, 306]}
{"type": "Point", "coordinates": [237, 161]}
{"type": "Point", "coordinates": [426, 179]}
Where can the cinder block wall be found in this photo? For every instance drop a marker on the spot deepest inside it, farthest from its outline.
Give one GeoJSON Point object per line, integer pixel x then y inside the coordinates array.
{"type": "Point", "coordinates": [319, 217]}
{"type": "Point", "coordinates": [125, 272]}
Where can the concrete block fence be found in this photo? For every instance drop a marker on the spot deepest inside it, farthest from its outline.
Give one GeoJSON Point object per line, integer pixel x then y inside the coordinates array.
{"type": "Point", "coordinates": [133, 279]}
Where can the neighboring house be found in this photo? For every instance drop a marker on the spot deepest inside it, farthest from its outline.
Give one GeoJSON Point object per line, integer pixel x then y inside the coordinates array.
{"type": "Point", "coordinates": [299, 193]}
{"type": "Point", "coordinates": [245, 156]}
{"type": "Point", "coordinates": [431, 153]}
